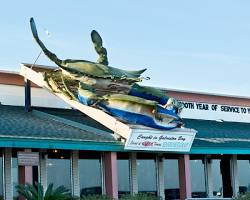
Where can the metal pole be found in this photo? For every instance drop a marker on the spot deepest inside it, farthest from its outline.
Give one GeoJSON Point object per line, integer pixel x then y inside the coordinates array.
{"type": "Point", "coordinates": [27, 91]}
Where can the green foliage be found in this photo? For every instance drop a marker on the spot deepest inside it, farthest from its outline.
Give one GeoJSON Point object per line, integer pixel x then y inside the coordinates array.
{"type": "Point", "coordinates": [124, 197]}
{"type": "Point", "coordinates": [36, 192]}
{"type": "Point", "coordinates": [95, 197]}
{"type": "Point", "coordinates": [139, 196]}
{"type": "Point", "coordinates": [245, 196]}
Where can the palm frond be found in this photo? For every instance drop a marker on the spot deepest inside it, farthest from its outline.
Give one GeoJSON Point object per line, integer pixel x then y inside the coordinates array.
{"type": "Point", "coordinates": [37, 192]}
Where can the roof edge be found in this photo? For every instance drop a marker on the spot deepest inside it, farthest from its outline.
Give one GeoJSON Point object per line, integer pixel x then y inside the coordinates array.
{"type": "Point", "coordinates": [71, 123]}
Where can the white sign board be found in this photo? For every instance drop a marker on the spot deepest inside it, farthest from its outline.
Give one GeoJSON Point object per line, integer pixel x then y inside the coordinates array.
{"type": "Point", "coordinates": [218, 112]}
{"type": "Point", "coordinates": [178, 140]}
{"type": "Point", "coordinates": [28, 158]}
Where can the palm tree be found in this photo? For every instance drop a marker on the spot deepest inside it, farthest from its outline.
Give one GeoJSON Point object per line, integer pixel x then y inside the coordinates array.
{"type": "Point", "coordinates": [36, 192]}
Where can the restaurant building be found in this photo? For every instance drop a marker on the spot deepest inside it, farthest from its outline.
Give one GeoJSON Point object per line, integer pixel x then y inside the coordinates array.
{"type": "Point", "coordinates": [43, 139]}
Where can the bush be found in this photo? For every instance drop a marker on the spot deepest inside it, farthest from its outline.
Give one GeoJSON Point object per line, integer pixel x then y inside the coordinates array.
{"type": "Point", "coordinates": [95, 197]}
{"type": "Point", "coordinates": [245, 196]}
{"type": "Point", "coordinates": [37, 192]}
{"type": "Point", "coordinates": [139, 196]}
{"type": "Point", "coordinates": [123, 197]}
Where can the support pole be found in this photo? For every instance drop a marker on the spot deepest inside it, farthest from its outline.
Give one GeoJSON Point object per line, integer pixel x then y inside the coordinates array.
{"type": "Point", "coordinates": [111, 183]}
{"type": "Point", "coordinates": [184, 177]}
{"type": "Point", "coordinates": [7, 175]}
{"type": "Point", "coordinates": [208, 176]}
{"type": "Point", "coordinates": [133, 173]}
{"type": "Point", "coordinates": [234, 175]}
{"type": "Point", "coordinates": [102, 171]}
{"type": "Point", "coordinates": [27, 91]}
{"type": "Point", "coordinates": [43, 170]}
{"type": "Point", "coordinates": [160, 176]}
{"type": "Point", "coordinates": [75, 179]}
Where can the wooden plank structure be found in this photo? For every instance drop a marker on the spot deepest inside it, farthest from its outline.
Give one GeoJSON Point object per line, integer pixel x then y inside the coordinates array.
{"type": "Point", "coordinates": [120, 128]}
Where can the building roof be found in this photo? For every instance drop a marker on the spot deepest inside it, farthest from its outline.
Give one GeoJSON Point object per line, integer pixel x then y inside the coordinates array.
{"type": "Point", "coordinates": [18, 126]}
{"type": "Point", "coordinates": [70, 129]}
{"type": "Point", "coordinates": [220, 137]}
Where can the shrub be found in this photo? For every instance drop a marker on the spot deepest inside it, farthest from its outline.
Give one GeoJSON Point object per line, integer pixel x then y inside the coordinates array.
{"type": "Point", "coordinates": [245, 196]}
{"type": "Point", "coordinates": [36, 192]}
{"type": "Point", "coordinates": [140, 196]}
{"type": "Point", "coordinates": [95, 197]}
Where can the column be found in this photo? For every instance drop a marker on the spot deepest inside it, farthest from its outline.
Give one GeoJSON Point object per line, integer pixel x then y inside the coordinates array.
{"type": "Point", "coordinates": [234, 175]}
{"type": "Point", "coordinates": [7, 175]}
{"type": "Point", "coordinates": [43, 170]}
{"type": "Point", "coordinates": [102, 163]}
{"type": "Point", "coordinates": [25, 173]}
{"type": "Point", "coordinates": [111, 182]}
{"type": "Point", "coordinates": [133, 173]}
{"type": "Point", "coordinates": [160, 176]}
{"type": "Point", "coordinates": [75, 179]}
{"type": "Point", "coordinates": [208, 176]}
{"type": "Point", "coordinates": [184, 177]}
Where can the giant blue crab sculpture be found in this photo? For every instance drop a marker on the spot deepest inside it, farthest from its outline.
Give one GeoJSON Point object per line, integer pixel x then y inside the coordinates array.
{"type": "Point", "coordinates": [111, 89]}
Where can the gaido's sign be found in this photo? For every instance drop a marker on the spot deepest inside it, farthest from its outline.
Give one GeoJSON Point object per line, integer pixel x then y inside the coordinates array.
{"type": "Point", "coordinates": [178, 140]}
{"type": "Point", "coordinates": [208, 111]}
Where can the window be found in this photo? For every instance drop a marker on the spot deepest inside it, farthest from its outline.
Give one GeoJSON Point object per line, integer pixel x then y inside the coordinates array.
{"type": "Point", "coordinates": [197, 179]}
{"type": "Point", "coordinates": [244, 175]}
{"type": "Point", "coordinates": [123, 173]}
{"type": "Point", "coordinates": [171, 179]}
{"type": "Point", "coordinates": [90, 173]}
{"type": "Point", "coordinates": [217, 178]}
{"type": "Point", "coordinates": [146, 176]}
{"type": "Point", "coordinates": [58, 168]}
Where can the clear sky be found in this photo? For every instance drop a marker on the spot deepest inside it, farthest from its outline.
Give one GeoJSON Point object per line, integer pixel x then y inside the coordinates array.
{"type": "Point", "coordinates": [189, 45]}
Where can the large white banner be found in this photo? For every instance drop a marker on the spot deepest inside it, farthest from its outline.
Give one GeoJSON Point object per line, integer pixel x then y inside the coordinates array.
{"type": "Point", "coordinates": [154, 140]}
{"type": "Point", "coordinates": [218, 112]}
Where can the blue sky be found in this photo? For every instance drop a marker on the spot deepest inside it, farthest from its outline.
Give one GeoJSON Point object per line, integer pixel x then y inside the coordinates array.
{"type": "Point", "coordinates": [188, 45]}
